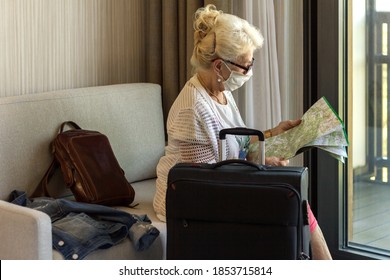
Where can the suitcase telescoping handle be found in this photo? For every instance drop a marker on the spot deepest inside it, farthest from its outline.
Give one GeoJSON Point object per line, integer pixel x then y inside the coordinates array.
{"type": "Point", "coordinates": [241, 131]}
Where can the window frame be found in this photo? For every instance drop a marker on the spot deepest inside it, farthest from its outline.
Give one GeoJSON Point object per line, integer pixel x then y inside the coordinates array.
{"type": "Point", "coordinates": [325, 74]}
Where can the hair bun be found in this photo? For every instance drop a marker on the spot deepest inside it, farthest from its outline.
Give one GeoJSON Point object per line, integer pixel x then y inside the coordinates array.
{"type": "Point", "coordinates": [204, 21]}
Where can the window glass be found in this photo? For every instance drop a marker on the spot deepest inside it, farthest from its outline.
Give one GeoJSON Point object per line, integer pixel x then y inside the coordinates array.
{"type": "Point", "coordinates": [369, 95]}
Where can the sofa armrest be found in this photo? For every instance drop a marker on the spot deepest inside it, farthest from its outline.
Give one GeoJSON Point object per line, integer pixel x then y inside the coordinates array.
{"type": "Point", "coordinates": [24, 233]}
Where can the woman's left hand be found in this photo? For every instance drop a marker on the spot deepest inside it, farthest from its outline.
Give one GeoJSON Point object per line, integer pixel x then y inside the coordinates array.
{"type": "Point", "coordinates": [275, 161]}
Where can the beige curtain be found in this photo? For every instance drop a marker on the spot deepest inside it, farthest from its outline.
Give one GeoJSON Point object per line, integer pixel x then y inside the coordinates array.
{"type": "Point", "coordinates": [275, 92]}
{"type": "Point", "coordinates": [289, 38]}
{"type": "Point", "coordinates": [259, 100]}
{"type": "Point", "coordinates": [169, 43]}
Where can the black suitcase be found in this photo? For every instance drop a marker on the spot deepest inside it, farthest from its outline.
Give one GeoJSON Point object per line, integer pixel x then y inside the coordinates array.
{"type": "Point", "coordinates": [235, 209]}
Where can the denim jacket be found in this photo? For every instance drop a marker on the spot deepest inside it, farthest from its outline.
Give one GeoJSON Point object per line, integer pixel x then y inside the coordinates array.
{"type": "Point", "coordinates": [81, 228]}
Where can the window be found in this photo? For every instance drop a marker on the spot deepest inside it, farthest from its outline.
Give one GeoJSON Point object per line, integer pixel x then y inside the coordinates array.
{"type": "Point", "coordinates": [347, 60]}
{"type": "Point", "coordinates": [369, 209]}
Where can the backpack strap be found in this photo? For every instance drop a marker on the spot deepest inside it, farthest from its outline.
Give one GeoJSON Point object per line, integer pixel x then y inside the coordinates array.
{"type": "Point", "coordinates": [69, 123]}
{"type": "Point", "coordinates": [41, 189]}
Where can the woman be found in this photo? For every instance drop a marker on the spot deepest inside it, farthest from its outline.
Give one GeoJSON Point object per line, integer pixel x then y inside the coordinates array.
{"type": "Point", "coordinates": [222, 59]}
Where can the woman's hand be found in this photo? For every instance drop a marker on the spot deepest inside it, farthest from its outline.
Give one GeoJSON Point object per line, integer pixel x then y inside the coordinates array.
{"type": "Point", "coordinates": [253, 153]}
{"type": "Point", "coordinates": [284, 126]}
{"type": "Point", "coordinates": [275, 161]}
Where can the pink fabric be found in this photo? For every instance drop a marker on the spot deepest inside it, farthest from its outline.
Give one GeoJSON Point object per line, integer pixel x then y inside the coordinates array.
{"type": "Point", "coordinates": [312, 220]}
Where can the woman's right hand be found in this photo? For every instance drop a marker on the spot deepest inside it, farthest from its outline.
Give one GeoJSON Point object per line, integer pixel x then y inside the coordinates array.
{"type": "Point", "coordinates": [284, 126]}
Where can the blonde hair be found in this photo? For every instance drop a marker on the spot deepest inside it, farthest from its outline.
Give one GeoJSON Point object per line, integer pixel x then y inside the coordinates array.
{"type": "Point", "coordinates": [220, 35]}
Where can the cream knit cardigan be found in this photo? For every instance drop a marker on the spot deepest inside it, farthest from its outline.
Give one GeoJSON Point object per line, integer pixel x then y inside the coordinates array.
{"type": "Point", "coordinates": [193, 126]}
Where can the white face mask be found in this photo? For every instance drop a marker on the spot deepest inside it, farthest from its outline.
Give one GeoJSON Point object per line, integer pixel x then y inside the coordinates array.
{"type": "Point", "coordinates": [236, 79]}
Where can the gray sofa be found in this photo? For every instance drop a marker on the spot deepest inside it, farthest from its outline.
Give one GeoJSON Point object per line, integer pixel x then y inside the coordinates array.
{"type": "Point", "coordinates": [129, 114]}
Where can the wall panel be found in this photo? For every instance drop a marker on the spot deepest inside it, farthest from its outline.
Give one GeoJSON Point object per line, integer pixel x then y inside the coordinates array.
{"type": "Point", "coordinates": [56, 44]}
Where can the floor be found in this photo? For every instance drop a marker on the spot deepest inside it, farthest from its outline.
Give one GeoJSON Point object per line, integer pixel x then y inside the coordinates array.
{"type": "Point", "coordinates": [371, 216]}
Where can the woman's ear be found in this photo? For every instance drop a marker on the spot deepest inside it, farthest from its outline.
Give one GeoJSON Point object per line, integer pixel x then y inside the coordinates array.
{"type": "Point", "coordinates": [217, 65]}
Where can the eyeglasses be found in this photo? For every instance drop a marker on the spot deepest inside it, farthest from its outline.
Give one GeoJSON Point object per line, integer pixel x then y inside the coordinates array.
{"type": "Point", "coordinates": [242, 67]}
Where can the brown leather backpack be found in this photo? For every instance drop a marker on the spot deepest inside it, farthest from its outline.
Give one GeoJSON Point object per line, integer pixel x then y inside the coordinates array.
{"type": "Point", "coordinates": [89, 167]}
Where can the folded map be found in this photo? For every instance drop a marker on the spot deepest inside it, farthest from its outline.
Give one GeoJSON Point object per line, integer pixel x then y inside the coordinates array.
{"type": "Point", "coordinates": [321, 127]}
